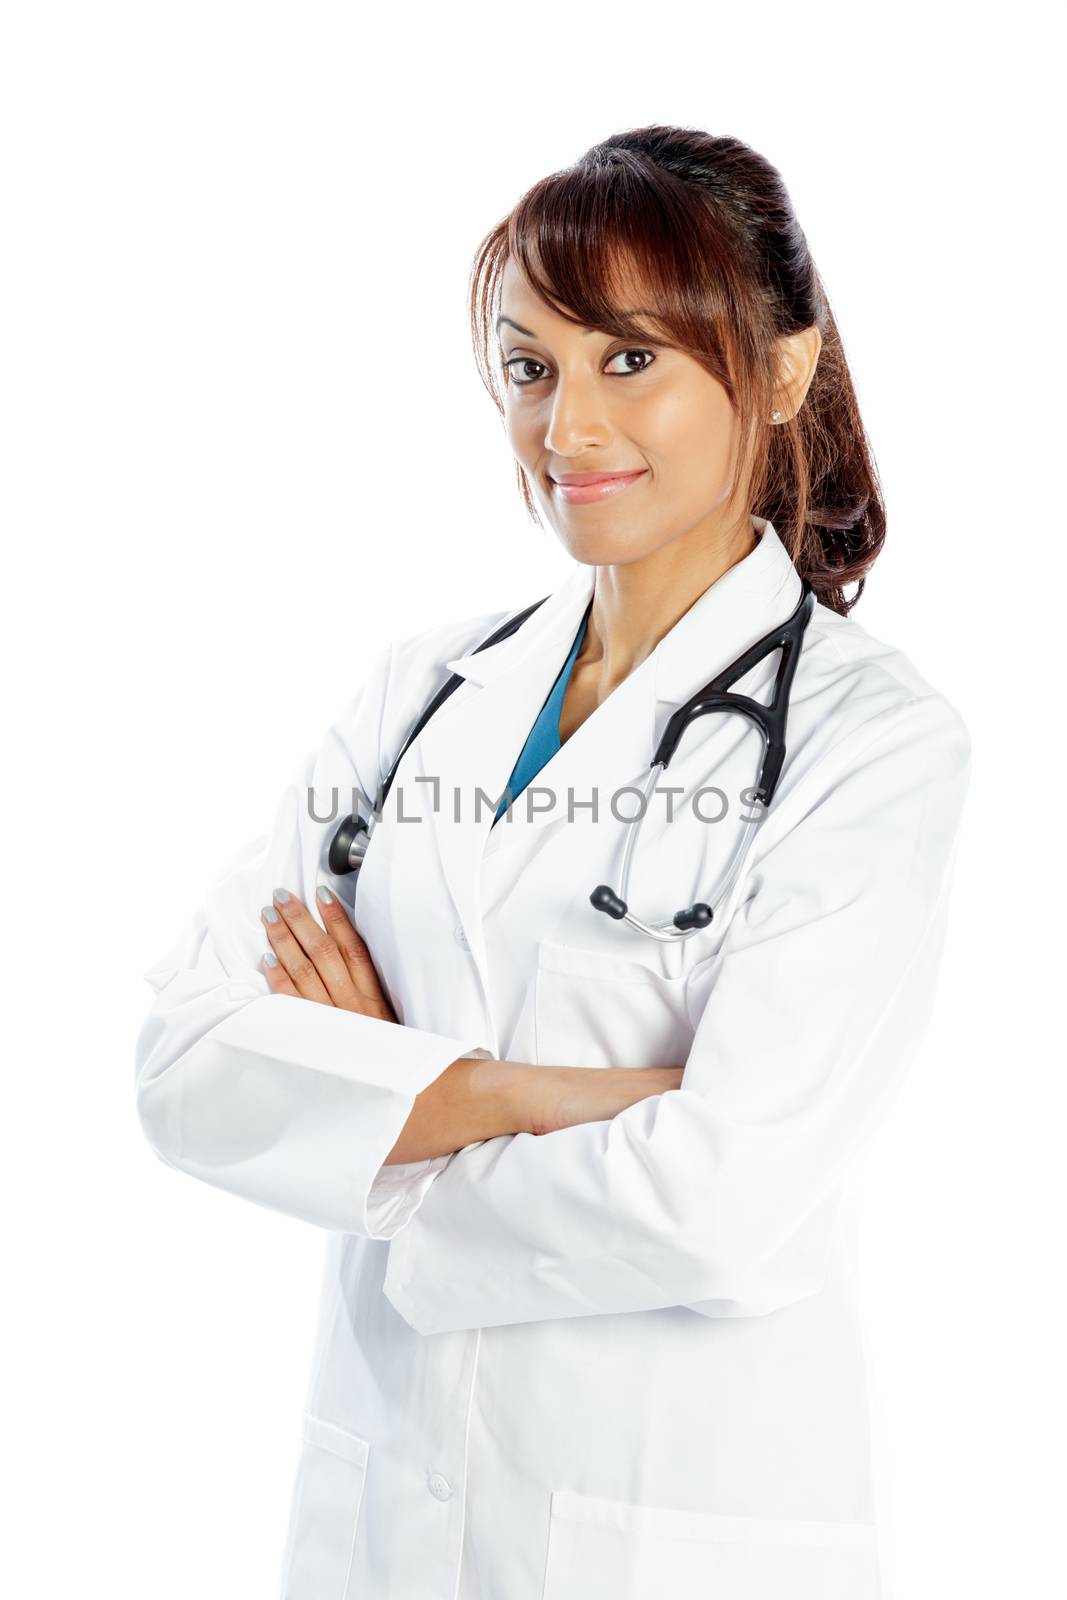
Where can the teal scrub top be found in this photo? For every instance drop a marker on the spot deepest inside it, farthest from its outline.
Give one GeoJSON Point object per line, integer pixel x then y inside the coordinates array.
{"type": "Point", "coordinates": [543, 740]}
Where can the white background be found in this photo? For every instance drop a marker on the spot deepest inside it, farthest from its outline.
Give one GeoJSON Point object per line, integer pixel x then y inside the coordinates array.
{"type": "Point", "coordinates": [245, 445]}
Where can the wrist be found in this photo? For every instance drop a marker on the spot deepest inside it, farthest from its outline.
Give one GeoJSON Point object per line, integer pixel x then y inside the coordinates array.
{"type": "Point", "coordinates": [502, 1093]}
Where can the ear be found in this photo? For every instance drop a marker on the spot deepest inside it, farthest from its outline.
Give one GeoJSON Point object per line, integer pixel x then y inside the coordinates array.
{"type": "Point", "coordinates": [798, 356]}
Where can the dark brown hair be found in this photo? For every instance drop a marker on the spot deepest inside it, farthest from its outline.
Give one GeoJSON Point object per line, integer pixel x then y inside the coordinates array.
{"type": "Point", "coordinates": [710, 229]}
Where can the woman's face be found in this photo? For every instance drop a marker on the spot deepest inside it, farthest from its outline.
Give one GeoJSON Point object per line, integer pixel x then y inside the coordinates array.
{"type": "Point", "coordinates": [581, 402]}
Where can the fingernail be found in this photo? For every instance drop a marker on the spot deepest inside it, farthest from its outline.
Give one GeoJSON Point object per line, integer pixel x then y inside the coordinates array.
{"type": "Point", "coordinates": [270, 959]}
{"type": "Point", "coordinates": [282, 895]}
{"type": "Point", "coordinates": [327, 896]}
{"type": "Point", "coordinates": [269, 914]}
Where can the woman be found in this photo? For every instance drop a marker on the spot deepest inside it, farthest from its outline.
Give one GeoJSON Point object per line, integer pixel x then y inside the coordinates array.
{"type": "Point", "coordinates": [588, 1325]}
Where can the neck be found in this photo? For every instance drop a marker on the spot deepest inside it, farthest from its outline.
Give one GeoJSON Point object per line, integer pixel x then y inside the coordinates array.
{"type": "Point", "coordinates": [636, 603]}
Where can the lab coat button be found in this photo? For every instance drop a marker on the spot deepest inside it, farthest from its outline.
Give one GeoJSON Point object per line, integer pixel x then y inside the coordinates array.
{"type": "Point", "coordinates": [459, 936]}
{"type": "Point", "coordinates": [440, 1487]}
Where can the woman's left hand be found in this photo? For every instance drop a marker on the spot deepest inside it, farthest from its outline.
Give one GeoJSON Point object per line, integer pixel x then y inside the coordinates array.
{"type": "Point", "coordinates": [332, 966]}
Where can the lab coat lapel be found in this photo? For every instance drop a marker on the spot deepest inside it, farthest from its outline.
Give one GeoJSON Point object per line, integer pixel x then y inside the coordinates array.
{"type": "Point", "coordinates": [753, 597]}
{"type": "Point", "coordinates": [473, 741]}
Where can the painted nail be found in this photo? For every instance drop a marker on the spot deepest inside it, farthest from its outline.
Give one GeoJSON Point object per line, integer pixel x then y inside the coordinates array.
{"type": "Point", "coordinates": [269, 914]}
{"type": "Point", "coordinates": [270, 959]}
{"type": "Point", "coordinates": [282, 895]}
{"type": "Point", "coordinates": [327, 896]}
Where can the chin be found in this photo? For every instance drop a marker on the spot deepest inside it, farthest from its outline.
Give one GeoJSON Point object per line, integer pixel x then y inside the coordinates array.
{"type": "Point", "coordinates": [603, 548]}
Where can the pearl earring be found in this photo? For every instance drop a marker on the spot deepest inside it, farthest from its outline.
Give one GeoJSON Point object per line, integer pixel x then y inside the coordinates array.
{"type": "Point", "coordinates": [776, 416]}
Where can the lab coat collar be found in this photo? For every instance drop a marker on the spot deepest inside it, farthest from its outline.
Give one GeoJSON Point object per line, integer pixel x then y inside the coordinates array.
{"type": "Point", "coordinates": [735, 611]}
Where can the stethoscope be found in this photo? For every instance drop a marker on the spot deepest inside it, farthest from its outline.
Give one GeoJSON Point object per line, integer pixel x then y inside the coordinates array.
{"type": "Point", "coordinates": [349, 845]}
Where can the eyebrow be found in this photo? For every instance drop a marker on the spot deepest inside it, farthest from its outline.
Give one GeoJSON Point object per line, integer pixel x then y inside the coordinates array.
{"type": "Point", "coordinates": [637, 312]}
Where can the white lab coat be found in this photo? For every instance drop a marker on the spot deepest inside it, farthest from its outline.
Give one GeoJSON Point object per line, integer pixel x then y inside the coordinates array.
{"type": "Point", "coordinates": [622, 1360]}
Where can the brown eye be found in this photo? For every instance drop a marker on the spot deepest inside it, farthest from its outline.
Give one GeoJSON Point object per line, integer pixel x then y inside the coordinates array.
{"type": "Point", "coordinates": [523, 362]}
{"type": "Point", "coordinates": [634, 352]}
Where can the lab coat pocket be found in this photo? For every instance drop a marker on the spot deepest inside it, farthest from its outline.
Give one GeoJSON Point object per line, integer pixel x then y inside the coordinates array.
{"type": "Point", "coordinates": [593, 1008]}
{"type": "Point", "coordinates": [327, 1496]}
{"type": "Point", "coordinates": [602, 1549]}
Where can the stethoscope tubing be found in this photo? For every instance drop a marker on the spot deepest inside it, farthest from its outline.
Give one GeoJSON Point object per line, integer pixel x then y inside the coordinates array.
{"type": "Point", "coordinates": [348, 847]}
{"type": "Point", "coordinates": [769, 719]}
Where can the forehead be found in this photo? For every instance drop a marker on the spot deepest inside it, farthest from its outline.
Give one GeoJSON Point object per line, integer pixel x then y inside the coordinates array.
{"type": "Point", "coordinates": [520, 301]}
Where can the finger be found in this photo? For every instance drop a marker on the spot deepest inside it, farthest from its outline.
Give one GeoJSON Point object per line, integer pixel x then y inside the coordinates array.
{"type": "Point", "coordinates": [353, 950]}
{"type": "Point", "coordinates": [293, 957]}
{"type": "Point", "coordinates": [278, 979]}
{"type": "Point", "coordinates": [318, 947]}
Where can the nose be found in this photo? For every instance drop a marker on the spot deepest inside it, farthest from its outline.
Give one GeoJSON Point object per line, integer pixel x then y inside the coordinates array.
{"type": "Point", "coordinates": [577, 419]}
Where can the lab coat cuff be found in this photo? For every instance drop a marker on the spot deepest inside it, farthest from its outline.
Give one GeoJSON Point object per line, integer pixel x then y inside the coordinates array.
{"type": "Point", "coordinates": [398, 1190]}
{"type": "Point", "coordinates": [294, 1105]}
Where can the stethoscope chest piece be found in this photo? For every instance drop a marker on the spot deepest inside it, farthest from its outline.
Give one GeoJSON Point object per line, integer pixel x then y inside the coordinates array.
{"type": "Point", "coordinates": [348, 846]}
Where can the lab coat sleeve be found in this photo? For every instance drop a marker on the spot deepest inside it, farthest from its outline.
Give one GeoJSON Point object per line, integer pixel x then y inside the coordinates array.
{"type": "Point", "coordinates": [722, 1194]}
{"type": "Point", "coordinates": [281, 1100]}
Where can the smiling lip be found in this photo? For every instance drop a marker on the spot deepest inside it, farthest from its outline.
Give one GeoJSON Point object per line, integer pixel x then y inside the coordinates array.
{"type": "Point", "coordinates": [578, 488]}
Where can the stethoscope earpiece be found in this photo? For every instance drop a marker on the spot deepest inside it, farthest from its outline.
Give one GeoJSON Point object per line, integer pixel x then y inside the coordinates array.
{"type": "Point", "coordinates": [605, 899]}
{"type": "Point", "coordinates": [697, 916]}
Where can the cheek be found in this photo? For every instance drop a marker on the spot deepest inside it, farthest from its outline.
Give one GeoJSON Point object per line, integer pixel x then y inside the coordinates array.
{"type": "Point", "coordinates": [524, 441]}
{"type": "Point", "coordinates": [690, 434]}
